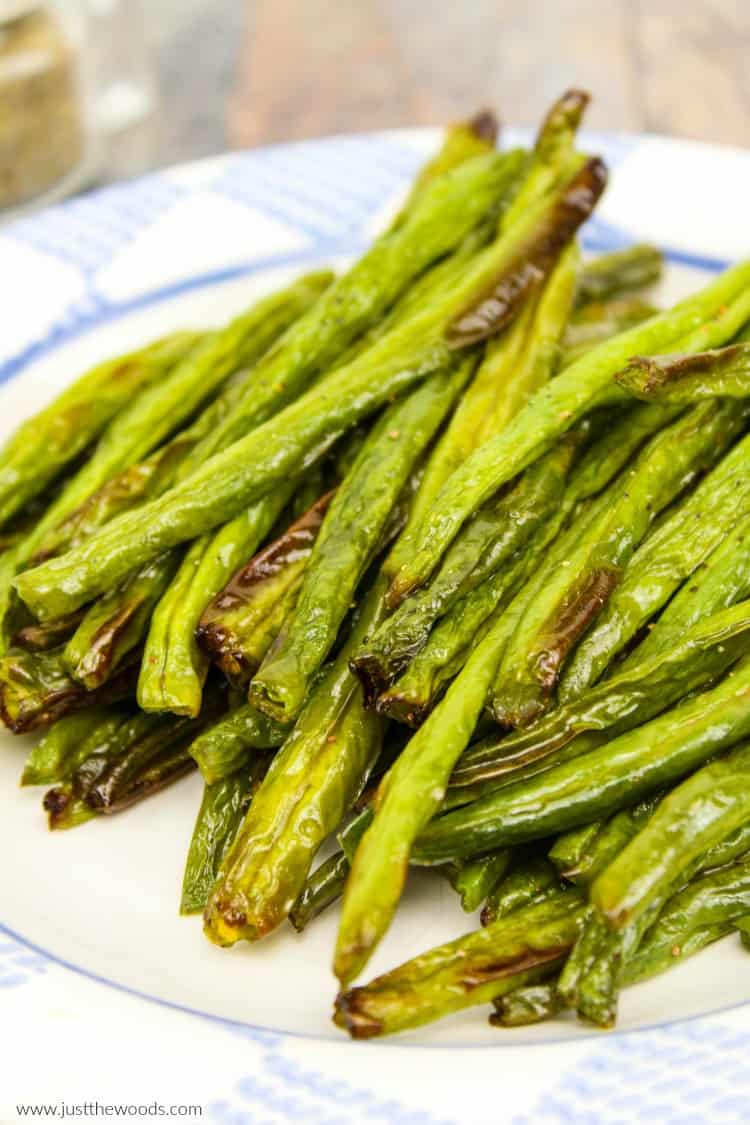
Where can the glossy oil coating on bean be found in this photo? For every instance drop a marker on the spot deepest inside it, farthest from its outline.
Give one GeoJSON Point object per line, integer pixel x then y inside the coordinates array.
{"type": "Point", "coordinates": [229, 744]}
{"type": "Point", "coordinates": [222, 808]}
{"type": "Point", "coordinates": [472, 970]}
{"type": "Point", "coordinates": [715, 315]}
{"type": "Point", "coordinates": [721, 373]}
{"type": "Point", "coordinates": [239, 624]}
{"type": "Point", "coordinates": [698, 814]}
{"type": "Point", "coordinates": [641, 690]}
{"type": "Point", "coordinates": [349, 538]}
{"type": "Point", "coordinates": [603, 780]}
{"type": "Point", "coordinates": [42, 447]}
{"type": "Point", "coordinates": [559, 616]}
{"type": "Point", "coordinates": [311, 785]}
{"type": "Point", "coordinates": [675, 549]}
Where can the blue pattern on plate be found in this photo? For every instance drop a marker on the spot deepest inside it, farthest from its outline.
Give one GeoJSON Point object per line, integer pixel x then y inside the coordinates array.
{"type": "Point", "coordinates": [326, 191]}
{"type": "Point", "coordinates": [18, 963]}
{"type": "Point", "coordinates": [296, 1092]}
{"type": "Point", "coordinates": [689, 1072]}
{"type": "Point", "coordinates": [88, 231]}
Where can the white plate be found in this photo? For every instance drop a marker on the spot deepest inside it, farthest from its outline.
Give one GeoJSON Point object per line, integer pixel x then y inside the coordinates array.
{"type": "Point", "coordinates": [192, 245]}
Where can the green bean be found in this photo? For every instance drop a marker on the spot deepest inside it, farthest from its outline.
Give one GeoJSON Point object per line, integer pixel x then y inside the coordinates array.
{"type": "Point", "coordinates": [158, 411]}
{"type": "Point", "coordinates": [144, 480]}
{"type": "Point", "coordinates": [465, 429]}
{"type": "Point", "coordinates": [407, 798]}
{"type": "Point", "coordinates": [722, 372]}
{"type": "Point", "coordinates": [551, 156]}
{"type": "Point", "coordinates": [64, 809]}
{"type": "Point", "coordinates": [610, 841]}
{"type": "Point", "coordinates": [115, 625]}
{"type": "Point", "coordinates": [673, 551]}
{"type": "Point", "coordinates": [18, 526]}
{"type": "Point", "coordinates": [503, 526]}
{"type": "Point", "coordinates": [449, 645]}
{"type": "Point", "coordinates": [541, 349]}
{"type": "Point", "coordinates": [52, 439]}
{"type": "Point", "coordinates": [352, 833]}
{"type": "Point", "coordinates": [473, 969]}
{"type": "Point", "coordinates": [53, 634]}
{"type": "Point", "coordinates": [462, 141]}
{"type": "Point", "coordinates": [589, 978]}
{"type": "Point", "coordinates": [271, 315]}
{"type": "Point", "coordinates": [538, 1002]}
{"type": "Point", "coordinates": [433, 284]}
{"type": "Point", "coordinates": [719, 582]}
{"type": "Point", "coordinates": [136, 483]}
{"type": "Point", "coordinates": [311, 785]}
{"type": "Point", "coordinates": [174, 666]}
{"type": "Point", "coordinates": [743, 928]}
{"type": "Point", "coordinates": [653, 958]}
{"type": "Point", "coordinates": [66, 803]}
{"type": "Point", "coordinates": [322, 888]}
{"type": "Point", "coordinates": [698, 814]}
{"type": "Point", "coordinates": [475, 880]}
{"type": "Point", "coordinates": [415, 693]}
{"type": "Point", "coordinates": [594, 972]}
{"type": "Point", "coordinates": [287, 443]}
{"type": "Point", "coordinates": [36, 689]}
{"type": "Point", "coordinates": [730, 848]}
{"type": "Point", "coordinates": [625, 429]}
{"type": "Point", "coordinates": [527, 883]}
{"type": "Point", "coordinates": [538, 564]}
{"type": "Point", "coordinates": [326, 884]}
{"type": "Point", "coordinates": [620, 271]}
{"type": "Point", "coordinates": [58, 753]}
{"type": "Point", "coordinates": [597, 783]}
{"type": "Point", "coordinates": [707, 318]}
{"type": "Point", "coordinates": [238, 626]}
{"type": "Point", "coordinates": [575, 596]}
{"type": "Point", "coordinates": [222, 808]}
{"type": "Point", "coordinates": [570, 847]}
{"type": "Point", "coordinates": [637, 693]}
{"type": "Point", "coordinates": [716, 897]}
{"type": "Point", "coordinates": [600, 321]}
{"type": "Point", "coordinates": [172, 676]}
{"type": "Point", "coordinates": [349, 538]}
{"type": "Point", "coordinates": [321, 478]}
{"type": "Point", "coordinates": [515, 365]}
{"type": "Point", "coordinates": [228, 745]}
{"type": "Point", "coordinates": [154, 761]}
{"type": "Point", "coordinates": [702, 912]}
{"type": "Point", "coordinates": [445, 212]}
{"type": "Point", "coordinates": [551, 161]}
{"type": "Point", "coordinates": [528, 1004]}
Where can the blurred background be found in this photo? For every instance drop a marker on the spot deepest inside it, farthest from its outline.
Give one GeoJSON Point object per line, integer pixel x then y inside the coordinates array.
{"type": "Point", "coordinates": [173, 80]}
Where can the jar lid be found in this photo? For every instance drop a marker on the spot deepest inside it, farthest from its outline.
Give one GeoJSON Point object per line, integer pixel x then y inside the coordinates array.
{"type": "Point", "coordinates": [13, 9]}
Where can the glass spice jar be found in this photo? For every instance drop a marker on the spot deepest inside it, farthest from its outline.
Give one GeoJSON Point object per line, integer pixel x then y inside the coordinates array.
{"type": "Point", "coordinates": [42, 115]}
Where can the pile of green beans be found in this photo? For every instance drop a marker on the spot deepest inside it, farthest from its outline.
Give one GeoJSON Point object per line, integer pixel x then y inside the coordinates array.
{"type": "Point", "coordinates": [445, 561]}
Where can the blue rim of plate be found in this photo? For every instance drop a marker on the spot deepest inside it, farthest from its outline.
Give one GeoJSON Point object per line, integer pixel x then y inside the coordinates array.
{"type": "Point", "coordinates": [399, 159]}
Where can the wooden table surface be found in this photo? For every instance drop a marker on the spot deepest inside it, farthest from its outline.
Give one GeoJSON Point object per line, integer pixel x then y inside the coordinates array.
{"type": "Point", "coordinates": [235, 73]}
